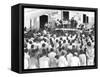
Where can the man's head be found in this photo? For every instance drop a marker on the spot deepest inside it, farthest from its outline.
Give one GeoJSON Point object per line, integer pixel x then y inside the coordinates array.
{"type": "Point", "coordinates": [32, 46]}
{"type": "Point", "coordinates": [89, 44]}
{"type": "Point", "coordinates": [30, 42]}
{"type": "Point", "coordinates": [44, 53]}
{"type": "Point", "coordinates": [43, 45]}
{"type": "Point", "coordinates": [64, 41]}
{"type": "Point", "coordinates": [56, 40]}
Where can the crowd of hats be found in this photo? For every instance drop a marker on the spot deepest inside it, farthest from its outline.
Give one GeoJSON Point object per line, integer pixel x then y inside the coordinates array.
{"type": "Point", "coordinates": [51, 44]}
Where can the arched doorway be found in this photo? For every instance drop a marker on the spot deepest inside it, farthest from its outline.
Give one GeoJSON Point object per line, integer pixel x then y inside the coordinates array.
{"type": "Point", "coordinates": [43, 20]}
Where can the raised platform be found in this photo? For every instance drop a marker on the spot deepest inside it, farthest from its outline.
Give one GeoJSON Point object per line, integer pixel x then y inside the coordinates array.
{"type": "Point", "coordinates": [68, 29]}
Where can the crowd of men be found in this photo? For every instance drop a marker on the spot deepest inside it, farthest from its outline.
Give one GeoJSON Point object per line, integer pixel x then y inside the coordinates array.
{"type": "Point", "coordinates": [51, 49]}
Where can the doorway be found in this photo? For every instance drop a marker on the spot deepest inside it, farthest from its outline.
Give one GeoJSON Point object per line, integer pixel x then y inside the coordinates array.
{"type": "Point", "coordinates": [43, 20]}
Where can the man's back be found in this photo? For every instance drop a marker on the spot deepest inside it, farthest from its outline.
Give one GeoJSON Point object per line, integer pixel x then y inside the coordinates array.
{"type": "Point", "coordinates": [75, 61]}
{"type": "Point", "coordinates": [44, 62]}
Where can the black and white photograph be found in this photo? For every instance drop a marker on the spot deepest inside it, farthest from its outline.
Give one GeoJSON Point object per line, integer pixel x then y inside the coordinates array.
{"type": "Point", "coordinates": [58, 38]}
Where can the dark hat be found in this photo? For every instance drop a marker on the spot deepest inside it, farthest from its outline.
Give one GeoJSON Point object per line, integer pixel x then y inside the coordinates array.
{"type": "Point", "coordinates": [57, 56]}
{"type": "Point", "coordinates": [86, 40]}
{"type": "Point", "coordinates": [64, 41]}
{"type": "Point", "coordinates": [43, 45]}
{"type": "Point", "coordinates": [59, 49]}
{"type": "Point", "coordinates": [24, 28]}
{"type": "Point", "coordinates": [62, 53]}
{"type": "Point", "coordinates": [25, 50]}
{"type": "Point", "coordinates": [85, 49]}
{"type": "Point", "coordinates": [51, 49]}
{"type": "Point", "coordinates": [52, 45]}
{"type": "Point", "coordinates": [32, 46]}
{"type": "Point", "coordinates": [63, 47]}
{"type": "Point", "coordinates": [26, 40]}
{"type": "Point", "coordinates": [25, 45]}
{"type": "Point", "coordinates": [30, 42]}
{"type": "Point", "coordinates": [44, 52]}
{"type": "Point", "coordinates": [59, 42]}
{"type": "Point", "coordinates": [73, 46]}
{"type": "Point", "coordinates": [33, 50]}
{"type": "Point", "coordinates": [44, 39]}
{"type": "Point", "coordinates": [89, 43]}
{"type": "Point", "coordinates": [81, 51]}
{"type": "Point", "coordinates": [56, 40]}
{"type": "Point", "coordinates": [60, 38]}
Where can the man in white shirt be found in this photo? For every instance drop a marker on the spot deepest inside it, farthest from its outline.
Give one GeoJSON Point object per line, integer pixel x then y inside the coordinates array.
{"type": "Point", "coordinates": [44, 60]}
{"type": "Point", "coordinates": [75, 61]}
{"type": "Point", "coordinates": [26, 59]}
{"type": "Point", "coordinates": [69, 56]}
{"type": "Point", "coordinates": [52, 61]}
{"type": "Point", "coordinates": [69, 46]}
{"type": "Point", "coordinates": [33, 63]}
{"type": "Point", "coordinates": [28, 45]}
{"type": "Point", "coordinates": [82, 58]}
{"type": "Point", "coordinates": [52, 53]}
{"type": "Point", "coordinates": [62, 61]}
{"type": "Point", "coordinates": [90, 55]}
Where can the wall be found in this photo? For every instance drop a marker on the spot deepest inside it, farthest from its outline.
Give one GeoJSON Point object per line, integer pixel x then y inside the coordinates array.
{"type": "Point", "coordinates": [34, 14]}
{"type": "Point", "coordinates": [79, 17]}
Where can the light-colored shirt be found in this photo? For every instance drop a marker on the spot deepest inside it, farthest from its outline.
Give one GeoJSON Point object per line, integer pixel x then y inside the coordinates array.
{"type": "Point", "coordinates": [75, 61]}
{"type": "Point", "coordinates": [90, 52]}
{"type": "Point", "coordinates": [33, 63]}
{"type": "Point", "coordinates": [90, 61]}
{"type": "Point", "coordinates": [44, 62]}
{"type": "Point", "coordinates": [82, 59]}
{"type": "Point", "coordinates": [69, 56]}
{"type": "Point", "coordinates": [62, 62]}
{"type": "Point", "coordinates": [26, 58]}
{"type": "Point", "coordinates": [69, 46]}
{"type": "Point", "coordinates": [52, 54]}
{"type": "Point", "coordinates": [90, 56]}
{"type": "Point", "coordinates": [53, 62]}
{"type": "Point", "coordinates": [28, 46]}
{"type": "Point", "coordinates": [25, 63]}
